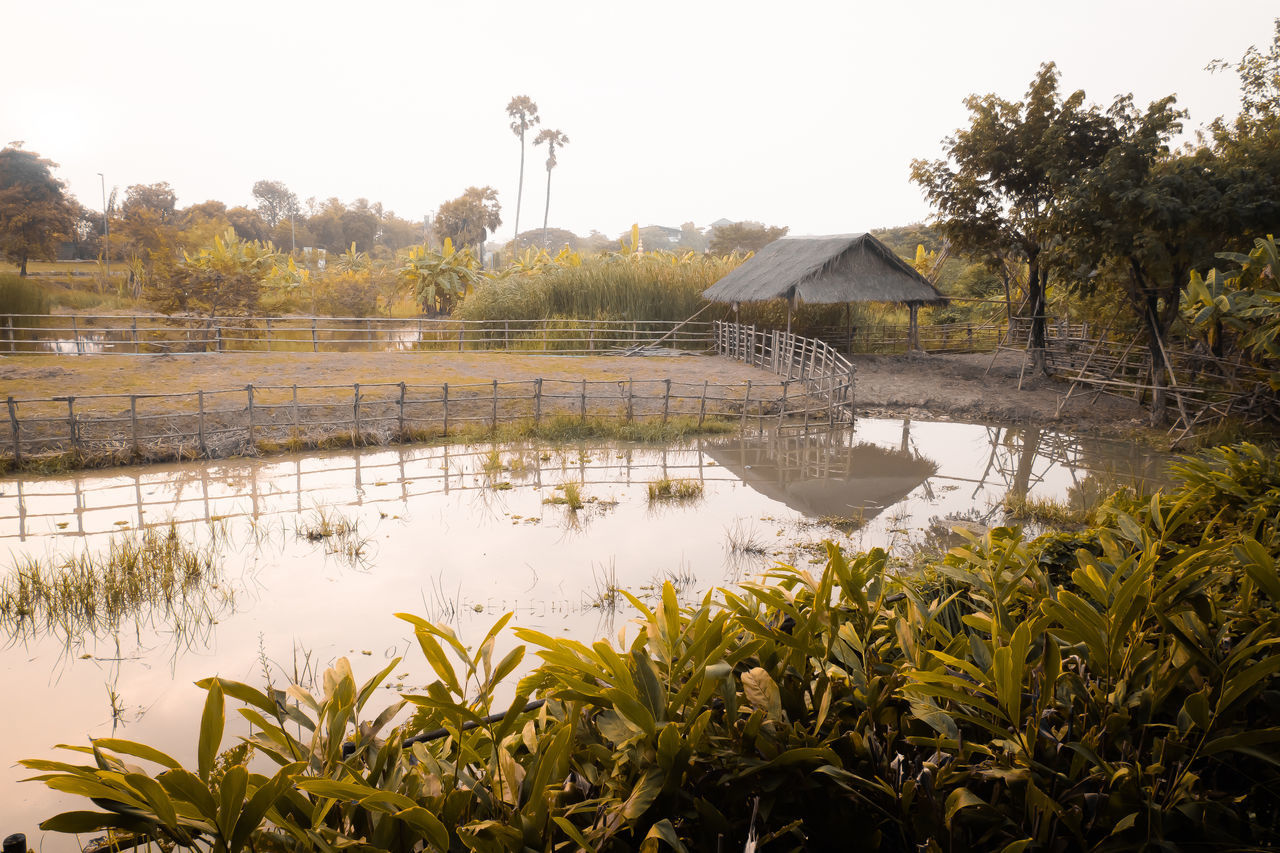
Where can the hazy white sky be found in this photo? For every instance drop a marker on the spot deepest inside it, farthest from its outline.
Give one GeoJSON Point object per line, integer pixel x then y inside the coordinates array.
{"type": "Point", "coordinates": [796, 113]}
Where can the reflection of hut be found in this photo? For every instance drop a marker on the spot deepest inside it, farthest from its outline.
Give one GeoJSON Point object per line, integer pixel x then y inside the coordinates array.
{"type": "Point", "coordinates": [833, 480]}
{"type": "Point", "coordinates": [827, 270]}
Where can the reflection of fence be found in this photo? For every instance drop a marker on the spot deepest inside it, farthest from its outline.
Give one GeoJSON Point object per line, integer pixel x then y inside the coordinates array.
{"type": "Point", "coordinates": [97, 503]}
{"type": "Point", "coordinates": [225, 422]}
{"type": "Point", "coordinates": [93, 334]}
{"type": "Point", "coordinates": [819, 369]}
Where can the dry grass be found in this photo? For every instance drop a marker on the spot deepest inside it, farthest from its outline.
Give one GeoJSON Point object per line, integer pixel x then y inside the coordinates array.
{"type": "Point", "coordinates": [34, 376]}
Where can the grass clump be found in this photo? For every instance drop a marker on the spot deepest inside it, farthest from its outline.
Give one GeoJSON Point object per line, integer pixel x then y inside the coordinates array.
{"type": "Point", "coordinates": [341, 535]}
{"type": "Point", "coordinates": [570, 496]}
{"type": "Point", "coordinates": [1046, 511]}
{"type": "Point", "coordinates": [20, 295]}
{"type": "Point", "coordinates": [666, 489]}
{"type": "Point", "coordinates": [153, 573]}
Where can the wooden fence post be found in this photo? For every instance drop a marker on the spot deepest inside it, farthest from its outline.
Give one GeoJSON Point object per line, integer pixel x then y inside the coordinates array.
{"type": "Point", "coordinates": [666, 401]}
{"type": "Point", "coordinates": [584, 401]}
{"type": "Point", "coordinates": [461, 329]}
{"type": "Point", "coordinates": [355, 421]}
{"type": "Point", "coordinates": [315, 344]}
{"type": "Point", "coordinates": [268, 334]}
{"type": "Point", "coordinates": [537, 401]}
{"type": "Point", "coordinates": [249, 396]}
{"type": "Point", "coordinates": [13, 424]}
{"type": "Point", "coordinates": [444, 399]}
{"type": "Point", "coordinates": [204, 451]}
{"type": "Point", "coordinates": [702, 407]}
{"type": "Point", "coordinates": [133, 420]}
{"type": "Point", "coordinates": [631, 399]}
{"type": "Point", "coordinates": [220, 349]}
{"type": "Point", "coordinates": [746, 398]}
{"type": "Point", "coordinates": [400, 417]}
{"type": "Point", "coordinates": [494, 426]}
{"type": "Point", "coordinates": [782, 405]}
{"type": "Point", "coordinates": [71, 424]}
{"type": "Point", "coordinates": [136, 348]}
{"type": "Point", "coordinates": [295, 409]}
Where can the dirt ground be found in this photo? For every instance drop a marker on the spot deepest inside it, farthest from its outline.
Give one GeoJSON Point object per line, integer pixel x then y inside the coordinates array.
{"type": "Point", "coordinates": [952, 386]}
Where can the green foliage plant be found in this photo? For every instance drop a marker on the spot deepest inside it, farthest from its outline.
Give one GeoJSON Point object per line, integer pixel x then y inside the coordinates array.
{"type": "Point", "coordinates": [20, 295]}
{"type": "Point", "coordinates": [1111, 689]}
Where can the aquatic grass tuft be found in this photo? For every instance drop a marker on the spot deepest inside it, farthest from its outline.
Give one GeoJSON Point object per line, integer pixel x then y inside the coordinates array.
{"type": "Point", "coordinates": [666, 489]}
{"type": "Point", "coordinates": [1045, 511]}
{"type": "Point", "coordinates": [341, 535]}
{"type": "Point", "coordinates": [155, 572]}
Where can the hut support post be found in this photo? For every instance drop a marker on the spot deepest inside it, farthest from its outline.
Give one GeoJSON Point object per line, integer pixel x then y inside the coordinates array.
{"type": "Point", "coordinates": [913, 327]}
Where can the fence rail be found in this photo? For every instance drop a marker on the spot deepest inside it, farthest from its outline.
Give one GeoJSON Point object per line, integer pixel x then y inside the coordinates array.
{"type": "Point", "coordinates": [226, 422]}
{"type": "Point", "coordinates": [150, 334]}
{"type": "Point", "coordinates": [821, 370]}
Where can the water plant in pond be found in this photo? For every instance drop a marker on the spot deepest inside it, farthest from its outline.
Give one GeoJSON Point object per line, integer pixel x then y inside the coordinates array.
{"type": "Point", "coordinates": [341, 535]}
{"type": "Point", "coordinates": [152, 573]}
{"type": "Point", "coordinates": [666, 489]}
{"type": "Point", "coordinates": [1045, 511]}
{"type": "Point", "coordinates": [743, 538]}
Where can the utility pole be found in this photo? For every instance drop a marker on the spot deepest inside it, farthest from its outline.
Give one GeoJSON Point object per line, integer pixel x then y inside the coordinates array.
{"type": "Point", "coordinates": [106, 227]}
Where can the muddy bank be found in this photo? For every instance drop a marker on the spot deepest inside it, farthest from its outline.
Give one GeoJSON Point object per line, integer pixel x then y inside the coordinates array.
{"type": "Point", "coordinates": [959, 386]}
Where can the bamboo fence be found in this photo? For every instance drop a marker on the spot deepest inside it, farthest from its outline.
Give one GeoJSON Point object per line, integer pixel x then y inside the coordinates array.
{"type": "Point", "coordinates": [151, 334]}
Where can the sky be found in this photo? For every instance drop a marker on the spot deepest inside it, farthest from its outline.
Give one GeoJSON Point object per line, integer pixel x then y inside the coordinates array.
{"type": "Point", "coordinates": [796, 113]}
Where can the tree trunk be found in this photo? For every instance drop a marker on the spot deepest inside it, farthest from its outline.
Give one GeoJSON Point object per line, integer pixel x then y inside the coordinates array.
{"type": "Point", "coordinates": [1159, 397]}
{"type": "Point", "coordinates": [22, 267]}
{"type": "Point", "coordinates": [1035, 290]}
{"type": "Point", "coordinates": [1026, 462]}
{"type": "Point", "coordinates": [547, 210]}
{"type": "Point", "coordinates": [519, 194]}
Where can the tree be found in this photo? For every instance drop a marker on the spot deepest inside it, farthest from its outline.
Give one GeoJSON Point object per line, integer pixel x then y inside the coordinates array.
{"type": "Point", "coordinates": [553, 138]}
{"type": "Point", "coordinates": [467, 219]}
{"type": "Point", "coordinates": [148, 232]}
{"type": "Point", "coordinates": [35, 211]}
{"type": "Point", "coordinates": [524, 115]}
{"type": "Point", "coordinates": [221, 279]}
{"type": "Point", "coordinates": [744, 237]}
{"type": "Point", "coordinates": [439, 280]}
{"type": "Point", "coordinates": [1147, 218]}
{"type": "Point", "coordinates": [275, 202]}
{"type": "Point", "coordinates": [998, 190]}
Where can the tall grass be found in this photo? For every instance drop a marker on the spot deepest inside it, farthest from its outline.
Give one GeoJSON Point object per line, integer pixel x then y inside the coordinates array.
{"type": "Point", "coordinates": [22, 296]}
{"type": "Point", "coordinates": [609, 287]}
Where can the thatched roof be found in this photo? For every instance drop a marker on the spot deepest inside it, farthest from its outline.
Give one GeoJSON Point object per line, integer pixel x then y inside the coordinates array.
{"type": "Point", "coordinates": [838, 268]}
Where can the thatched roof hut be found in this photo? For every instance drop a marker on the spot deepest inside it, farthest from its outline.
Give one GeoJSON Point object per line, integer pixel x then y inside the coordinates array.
{"type": "Point", "coordinates": [837, 268]}
{"type": "Point", "coordinates": [824, 270]}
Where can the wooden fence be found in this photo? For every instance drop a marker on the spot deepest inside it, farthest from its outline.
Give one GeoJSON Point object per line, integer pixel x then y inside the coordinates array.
{"type": "Point", "coordinates": [821, 370]}
{"type": "Point", "coordinates": [149, 334]}
{"type": "Point", "coordinates": [242, 420]}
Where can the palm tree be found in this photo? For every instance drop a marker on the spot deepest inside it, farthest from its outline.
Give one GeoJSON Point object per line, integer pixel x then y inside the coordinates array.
{"type": "Point", "coordinates": [552, 138]}
{"type": "Point", "coordinates": [524, 115]}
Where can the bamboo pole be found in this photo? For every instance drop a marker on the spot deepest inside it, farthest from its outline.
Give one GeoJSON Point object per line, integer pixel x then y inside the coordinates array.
{"type": "Point", "coordinates": [204, 450]}
{"type": "Point", "coordinates": [666, 401]}
{"type": "Point", "coordinates": [537, 402]}
{"type": "Point", "coordinates": [71, 424]}
{"type": "Point", "coordinates": [702, 406]}
{"type": "Point", "coordinates": [249, 397]}
{"type": "Point", "coordinates": [13, 425]}
{"type": "Point", "coordinates": [746, 399]}
{"type": "Point", "coordinates": [584, 401]}
{"type": "Point", "coordinates": [355, 420]}
{"type": "Point", "coordinates": [494, 421]}
{"type": "Point", "coordinates": [133, 420]}
{"type": "Point", "coordinates": [444, 400]}
{"type": "Point", "coordinates": [400, 415]}
{"type": "Point", "coordinates": [295, 409]}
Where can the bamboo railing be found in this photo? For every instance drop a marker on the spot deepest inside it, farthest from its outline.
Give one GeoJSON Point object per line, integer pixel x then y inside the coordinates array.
{"type": "Point", "coordinates": [149, 334]}
{"type": "Point", "coordinates": [821, 370]}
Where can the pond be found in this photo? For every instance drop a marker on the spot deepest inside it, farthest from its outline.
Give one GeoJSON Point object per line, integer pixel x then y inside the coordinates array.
{"type": "Point", "coordinates": [318, 550]}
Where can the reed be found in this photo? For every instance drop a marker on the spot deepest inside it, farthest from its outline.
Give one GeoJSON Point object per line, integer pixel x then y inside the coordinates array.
{"type": "Point", "coordinates": [153, 573]}
{"type": "Point", "coordinates": [653, 286]}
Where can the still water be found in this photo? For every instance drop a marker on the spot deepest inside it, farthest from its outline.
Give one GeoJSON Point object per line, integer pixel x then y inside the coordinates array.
{"type": "Point", "coordinates": [463, 535]}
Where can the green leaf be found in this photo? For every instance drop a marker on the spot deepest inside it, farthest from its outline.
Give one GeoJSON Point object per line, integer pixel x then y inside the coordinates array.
{"type": "Point", "coordinates": [84, 822]}
{"type": "Point", "coordinates": [573, 832]}
{"type": "Point", "coordinates": [665, 832]}
{"type": "Point", "coordinates": [211, 723]}
{"type": "Point", "coordinates": [428, 824]}
{"type": "Point", "coordinates": [762, 692]}
{"type": "Point", "coordinates": [138, 750]}
{"type": "Point", "coordinates": [961, 798]}
{"type": "Point", "coordinates": [186, 786]}
{"type": "Point", "coordinates": [644, 793]}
